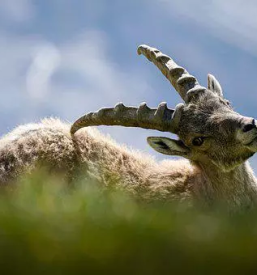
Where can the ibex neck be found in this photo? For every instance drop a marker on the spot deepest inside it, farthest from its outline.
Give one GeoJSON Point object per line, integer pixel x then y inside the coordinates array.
{"type": "Point", "coordinates": [236, 188]}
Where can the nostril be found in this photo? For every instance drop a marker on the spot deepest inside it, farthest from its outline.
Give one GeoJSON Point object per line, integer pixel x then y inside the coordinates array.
{"type": "Point", "coordinates": [248, 127]}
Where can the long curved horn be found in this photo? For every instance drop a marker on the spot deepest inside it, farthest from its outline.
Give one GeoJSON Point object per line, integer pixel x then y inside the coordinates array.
{"type": "Point", "coordinates": [184, 83]}
{"type": "Point", "coordinates": [161, 119]}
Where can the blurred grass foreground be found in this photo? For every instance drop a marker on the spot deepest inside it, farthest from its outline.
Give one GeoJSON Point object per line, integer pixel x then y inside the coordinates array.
{"type": "Point", "coordinates": [47, 227]}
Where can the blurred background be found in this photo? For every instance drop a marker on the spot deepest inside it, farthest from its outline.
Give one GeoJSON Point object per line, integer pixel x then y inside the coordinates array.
{"type": "Point", "coordinates": [64, 58]}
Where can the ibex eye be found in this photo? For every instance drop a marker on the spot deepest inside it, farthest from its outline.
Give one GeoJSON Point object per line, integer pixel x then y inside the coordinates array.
{"type": "Point", "coordinates": [198, 141]}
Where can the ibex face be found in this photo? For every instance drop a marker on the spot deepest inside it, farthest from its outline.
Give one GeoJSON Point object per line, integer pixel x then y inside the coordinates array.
{"type": "Point", "coordinates": [208, 128]}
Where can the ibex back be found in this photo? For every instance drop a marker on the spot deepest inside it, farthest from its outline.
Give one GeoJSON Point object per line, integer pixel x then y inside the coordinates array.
{"type": "Point", "coordinates": [215, 139]}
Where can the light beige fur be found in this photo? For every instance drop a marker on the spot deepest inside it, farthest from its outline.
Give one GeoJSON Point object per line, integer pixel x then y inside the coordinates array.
{"type": "Point", "coordinates": [99, 157]}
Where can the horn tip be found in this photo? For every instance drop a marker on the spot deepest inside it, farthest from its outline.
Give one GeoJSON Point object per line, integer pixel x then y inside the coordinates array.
{"type": "Point", "coordinates": [141, 48]}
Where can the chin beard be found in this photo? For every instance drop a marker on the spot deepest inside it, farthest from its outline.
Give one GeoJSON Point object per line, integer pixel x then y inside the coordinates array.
{"type": "Point", "coordinates": [252, 146]}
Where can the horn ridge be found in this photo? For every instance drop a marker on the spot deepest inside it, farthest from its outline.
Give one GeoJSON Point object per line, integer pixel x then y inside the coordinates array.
{"type": "Point", "coordinates": [144, 117]}
{"type": "Point", "coordinates": [180, 79]}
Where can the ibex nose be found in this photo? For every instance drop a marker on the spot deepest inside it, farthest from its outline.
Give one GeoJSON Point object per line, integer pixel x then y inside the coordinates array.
{"type": "Point", "coordinates": [248, 125]}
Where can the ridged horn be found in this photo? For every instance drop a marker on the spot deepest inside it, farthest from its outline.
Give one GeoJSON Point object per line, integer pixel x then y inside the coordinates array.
{"type": "Point", "coordinates": [144, 117]}
{"type": "Point", "coordinates": [181, 80]}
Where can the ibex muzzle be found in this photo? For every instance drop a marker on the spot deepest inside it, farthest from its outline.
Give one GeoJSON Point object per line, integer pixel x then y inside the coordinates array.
{"type": "Point", "coordinates": [248, 133]}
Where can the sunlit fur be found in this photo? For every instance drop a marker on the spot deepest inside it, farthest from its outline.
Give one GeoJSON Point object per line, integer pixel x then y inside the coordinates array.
{"type": "Point", "coordinates": [216, 171]}
{"type": "Point", "coordinates": [100, 158]}
{"type": "Point", "coordinates": [95, 156]}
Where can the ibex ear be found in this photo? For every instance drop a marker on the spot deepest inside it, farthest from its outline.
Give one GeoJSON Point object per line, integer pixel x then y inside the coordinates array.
{"type": "Point", "coordinates": [214, 85]}
{"type": "Point", "coordinates": [168, 146]}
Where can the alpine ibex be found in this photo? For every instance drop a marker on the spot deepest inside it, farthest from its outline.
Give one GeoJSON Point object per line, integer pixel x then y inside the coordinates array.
{"type": "Point", "coordinates": [216, 140]}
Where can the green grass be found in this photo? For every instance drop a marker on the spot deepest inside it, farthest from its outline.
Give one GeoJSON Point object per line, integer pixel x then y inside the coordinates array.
{"type": "Point", "coordinates": [47, 227]}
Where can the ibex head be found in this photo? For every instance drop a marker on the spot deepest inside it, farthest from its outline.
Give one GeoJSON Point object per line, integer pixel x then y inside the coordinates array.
{"type": "Point", "coordinates": [208, 128]}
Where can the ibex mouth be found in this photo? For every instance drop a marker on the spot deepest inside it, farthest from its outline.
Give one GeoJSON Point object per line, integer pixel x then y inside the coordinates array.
{"type": "Point", "coordinates": [252, 140]}
{"type": "Point", "coordinates": [252, 145]}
